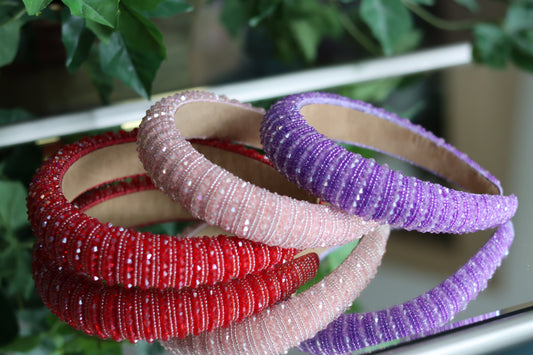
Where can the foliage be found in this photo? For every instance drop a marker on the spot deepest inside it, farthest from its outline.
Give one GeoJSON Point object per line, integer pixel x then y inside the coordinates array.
{"type": "Point", "coordinates": [27, 326]}
{"type": "Point", "coordinates": [381, 27]}
{"type": "Point", "coordinates": [116, 38]}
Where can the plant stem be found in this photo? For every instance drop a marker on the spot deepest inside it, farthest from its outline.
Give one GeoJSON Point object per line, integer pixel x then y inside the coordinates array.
{"type": "Point", "coordinates": [17, 16]}
{"type": "Point", "coordinates": [359, 36]}
{"type": "Point", "coordinates": [437, 21]}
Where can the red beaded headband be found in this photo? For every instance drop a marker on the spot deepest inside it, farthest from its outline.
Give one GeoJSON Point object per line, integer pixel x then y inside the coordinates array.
{"type": "Point", "coordinates": [125, 256]}
{"type": "Point", "coordinates": [108, 309]}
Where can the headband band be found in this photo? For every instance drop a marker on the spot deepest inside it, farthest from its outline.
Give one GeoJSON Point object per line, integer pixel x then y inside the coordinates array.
{"type": "Point", "coordinates": [294, 137]}
{"type": "Point", "coordinates": [136, 314]}
{"type": "Point", "coordinates": [285, 325]}
{"type": "Point", "coordinates": [424, 313]}
{"type": "Point", "coordinates": [221, 198]}
{"type": "Point", "coordinates": [133, 313]}
{"type": "Point", "coordinates": [120, 255]}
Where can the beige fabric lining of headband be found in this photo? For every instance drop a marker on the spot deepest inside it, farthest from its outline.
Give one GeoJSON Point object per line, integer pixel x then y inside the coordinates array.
{"type": "Point", "coordinates": [121, 161]}
{"type": "Point", "coordinates": [341, 123]}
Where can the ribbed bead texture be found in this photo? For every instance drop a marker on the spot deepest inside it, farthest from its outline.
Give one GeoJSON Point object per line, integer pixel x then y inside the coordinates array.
{"type": "Point", "coordinates": [364, 188]}
{"type": "Point", "coordinates": [425, 313]}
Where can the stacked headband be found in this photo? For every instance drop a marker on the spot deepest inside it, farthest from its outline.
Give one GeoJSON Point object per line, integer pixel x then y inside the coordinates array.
{"type": "Point", "coordinates": [116, 282]}
{"type": "Point", "coordinates": [221, 198]}
{"type": "Point", "coordinates": [76, 253]}
{"type": "Point", "coordinates": [296, 134]}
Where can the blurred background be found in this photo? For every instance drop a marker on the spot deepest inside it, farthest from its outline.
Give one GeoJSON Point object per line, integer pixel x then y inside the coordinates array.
{"type": "Point", "coordinates": [56, 66]}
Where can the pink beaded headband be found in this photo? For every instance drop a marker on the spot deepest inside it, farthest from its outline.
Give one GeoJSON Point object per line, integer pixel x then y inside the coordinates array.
{"type": "Point", "coordinates": [294, 137]}
{"type": "Point", "coordinates": [215, 195]}
{"type": "Point", "coordinates": [285, 325]}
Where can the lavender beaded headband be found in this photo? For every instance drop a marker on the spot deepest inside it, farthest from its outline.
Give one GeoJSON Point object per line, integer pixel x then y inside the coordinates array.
{"type": "Point", "coordinates": [220, 198]}
{"type": "Point", "coordinates": [285, 325]}
{"type": "Point", "coordinates": [421, 314]}
{"type": "Point", "coordinates": [302, 152]}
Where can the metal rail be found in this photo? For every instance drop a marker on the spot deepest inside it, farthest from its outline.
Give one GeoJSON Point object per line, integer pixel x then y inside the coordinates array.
{"type": "Point", "coordinates": [252, 90]}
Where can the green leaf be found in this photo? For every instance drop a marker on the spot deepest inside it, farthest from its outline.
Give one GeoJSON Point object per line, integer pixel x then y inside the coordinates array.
{"type": "Point", "coordinates": [373, 91]}
{"type": "Point", "coordinates": [101, 80]}
{"type": "Point", "coordinates": [10, 35]}
{"type": "Point", "coordinates": [491, 45]}
{"type": "Point", "coordinates": [234, 16]}
{"type": "Point", "coordinates": [33, 7]}
{"type": "Point", "coordinates": [142, 5]}
{"type": "Point", "coordinates": [12, 205]}
{"type": "Point", "coordinates": [103, 12]}
{"type": "Point", "coordinates": [307, 38]}
{"type": "Point", "coordinates": [519, 17]}
{"type": "Point", "coordinates": [423, 2]}
{"type": "Point", "coordinates": [30, 154]}
{"type": "Point", "coordinates": [77, 39]}
{"type": "Point", "coordinates": [9, 327]}
{"type": "Point", "coordinates": [134, 52]}
{"type": "Point", "coordinates": [169, 8]}
{"type": "Point", "coordinates": [265, 9]}
{"type": "Point", "coordinates": [522, 59]}
{"type": "Point", "coordinates": [471, 5]}
{"type": "Point", "coordinates": [102, 32]}
{"type": "Point", "coordinates": [23, 344]}
{"type": "Point", "coordinates": [8, 116]}
{"type": "Point", "coordinates": [388, 20]}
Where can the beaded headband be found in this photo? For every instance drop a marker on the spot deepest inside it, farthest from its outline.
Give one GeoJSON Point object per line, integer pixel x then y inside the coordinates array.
{"type": "Point", "coordinates": [121, 255]}
{"type": "Point", "coordinates": [220, 198]}
{"type": "Point", "coordinates": [148, 314]}
{"type": "Point", "coordinates": [285, 325]}
{"type": "Point", "coordinates": [276, 329]}
{"type": "Point", "coordinates": [302, 152]}
{"type": "Point", "coordinates": [424, 313]}
{"type": "Point", "coordinates": [134, 313]}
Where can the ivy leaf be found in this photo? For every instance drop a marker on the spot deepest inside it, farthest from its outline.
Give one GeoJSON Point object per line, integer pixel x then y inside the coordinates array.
{"type": "Point", "coordinates": [492, 46]}
{"type": "Point", "coordinates": [388, 20]}
{"type": "Point", "coordinates": [471, 5]}
{"type": "Point", "coordinates": [134, 52]}
{"type": "Point", "coordinates": [9, 327]}
{"type": "Point", "coordinates": [234, 16]}
{"type": "Point", "coordinates": [101, 80]}
{"type": "Point", "coordinates": [102, 32]}
{"type": "Point", "coordinates": [265, 9]}
{"type": "Point", "coordinates": [77, 39]}
{"type": "Point", "coordinates": [519, 17]}
{"type": "Point", "coordinates": [307, 38]}
{"type": "Point", "coordinates": [423, 2]}
{"type": "Point", "coordinates": [33, 7]}
{"type": "Point", "coordinates": [14, 115]}
{"type": "Point", "coordinates": [103, 12]}
{"type": "Point", "coordinates": [23, 344]}
{"type": "Point", "coordinates": [373, 91]}
{"type": "Point", "coordinates": [522, 59]}
{"type": "Point", "coordinates": [10, 34]}
{"type": "Point", "coordinates": [169, 8]}
{"type": "Point", "coordinates": [12, 205]}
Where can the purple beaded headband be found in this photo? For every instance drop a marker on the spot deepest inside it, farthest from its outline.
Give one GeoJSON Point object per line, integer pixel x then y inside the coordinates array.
{"type": "Point", "coordinates": [421, 314]}
{"type": "Point", "coordinates": [302, 152]}
{"type": "Point", "coordinates": [221, 198]}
